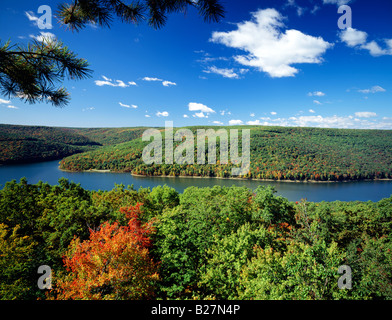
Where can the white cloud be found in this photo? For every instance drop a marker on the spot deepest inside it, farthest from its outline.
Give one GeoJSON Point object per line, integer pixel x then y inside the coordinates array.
{"type": "Point", "coordinates": [165, 83]}
{"type": "Point", "coordinates": [147, 116]}
{"type": "Point", "coordinates": [33, 18]}
{"type": "Point", "coordinates": [252, 114]}
{"type": "Point", "coordinates": [22, 95]}
{"type": "Point", "coordinates": [375, 50]}
{"type": "Point", "coordinates": [254, 123]}
{"type": "Point", "coordinates": [235, 122]}
{"type": "Point", "coordinates": [334, 121]}
{"type": "Point", "coordinates": [200, 115]}
{"type": "Point", "coordinates": [109, 82]}
{"type": "Point", "coordinates": [217, 122]}
{"type": "Point", "coordinates": [317, 102]}
{"type": "Point", "coordinates": [316, 93]}
{"type": "Point", "coordinates": [11, 107]}
{"type": "Point", "coordinates": [312, 111]}
{"type": "Point", "coordinates": [207, 58]}
{"type": "Point", "coordinates": [132, 83]}
{"type": "Point", "coordinates": [168, 83]}
{"type": "Point", "coordinates": [101, 83]}
{"type": "Point", "coordinates": [121, 84]}
{"type": "Point", "coordinates": [93, 25]}
{"type": "Point", "coordinates": [128, 106]}
{"type": "Point", "coordinates": [373, 89]}
{"type": "Point", "coordinates": [353, 37]}
{"type": "Point", "coordinates": [316, 121]}
{"type": "Point", "coordinates": [44, 37]}
{"type": "Point", "coordinates": [320, 121]}
{"type": "Point", "coordinates": [162, 114]}
{"type": "Point", "coordinates": [315, 9]}
{"type": "Point", "coordinates": [88, 109]}
{"type": "Point", "coordinates": [225, 112]}
{"type": "Point", "coordinates": [194, 106]}
{"type": "Point", "coordinates": [389, 44]}
{"type": "Point", "coordinates": [365, 114]}
{"type": "Point", "coordinates": [273, 113]}
{"type": "Point", "coordinates": [226, 73]}
{"type": "Point", "coordinates": [185, 116]}
{"type": "Point", "coordinates": [151, 79]}
{"type": "Point", "coordinates": [300, 10]}
{"type": "Point", "coordinates": [4, 101]}
{"type": "Point", "coordinates": [337, 2]}
{"type": "Point", "coordinates": [268, 48]}
{"type": "Point", "coordinates": [361, 120]}
{"type": "Point", "coordinates": [356, 38]}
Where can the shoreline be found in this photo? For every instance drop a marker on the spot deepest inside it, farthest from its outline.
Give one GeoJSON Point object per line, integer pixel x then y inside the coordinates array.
{"type": "Point", "coordinates": [262, 180]}
{"type": "Point", "coordinates": [222, 178]}
{"type": "Point", "coordinates": [89, 170]}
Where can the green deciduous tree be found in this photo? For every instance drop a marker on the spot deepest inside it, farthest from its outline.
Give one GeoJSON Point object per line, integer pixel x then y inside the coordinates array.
{"type": "Point", "coordinates": [16, 264]}
{"type": "Point", "coordinates": [303, 272]}
{"type": "Point", "coordinates": [228, 256]}
{"type": "Point", "coordinates": [186, 232]}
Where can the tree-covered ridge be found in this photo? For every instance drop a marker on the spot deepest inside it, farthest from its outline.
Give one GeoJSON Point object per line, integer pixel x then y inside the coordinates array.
{"type": "Point", "coordinates": [110, 136]}
{"type": "Point", "coordinates": [278, 153]}
{"type": "Point", "coordinates": [206, 243]}
{"type": "Point", "coordinates": [20, 144]}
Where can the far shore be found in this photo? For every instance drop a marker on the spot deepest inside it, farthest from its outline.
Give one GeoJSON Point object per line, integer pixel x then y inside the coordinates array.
{"type": "Point", "coordinates": [89, 170]}
{"type": "Point", "coordinates": [222, 178]}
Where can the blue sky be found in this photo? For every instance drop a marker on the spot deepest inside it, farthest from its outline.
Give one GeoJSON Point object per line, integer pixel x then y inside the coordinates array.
{"type": "Point", "coordinates": [280, 62]}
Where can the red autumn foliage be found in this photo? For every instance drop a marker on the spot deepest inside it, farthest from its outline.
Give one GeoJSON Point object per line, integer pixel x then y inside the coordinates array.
{"type": "Point", "coordinates": [141, 233]}
{"type": "Point", "coordinates": [113, 264]}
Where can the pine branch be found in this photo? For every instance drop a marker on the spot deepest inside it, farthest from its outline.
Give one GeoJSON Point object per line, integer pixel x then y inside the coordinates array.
{"type": "Point", "coordinates": [82, 12]}
{"type": "Point", "coordinates": [30, 73]}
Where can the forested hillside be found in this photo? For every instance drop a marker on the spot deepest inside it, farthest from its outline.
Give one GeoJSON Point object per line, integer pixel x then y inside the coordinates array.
{"type": "Point", "coordinates": [278, 153]}
{"type": "Point", "coordinates": [110, 136]}
{"type": "Point", "coordinates": [21, 144]}
{"type": "Point", "coordinates": [206, 243]}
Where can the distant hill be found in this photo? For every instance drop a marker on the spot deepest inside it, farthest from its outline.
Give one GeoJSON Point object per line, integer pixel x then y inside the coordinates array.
{"type": "Point", "coordinates": [278, 153]}
{"type": "Point", "coordinates": [22, 144]}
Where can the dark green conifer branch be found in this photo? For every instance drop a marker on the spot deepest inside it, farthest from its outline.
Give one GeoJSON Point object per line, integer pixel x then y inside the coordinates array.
{"type": "Point", "coordinates": [30, 72]}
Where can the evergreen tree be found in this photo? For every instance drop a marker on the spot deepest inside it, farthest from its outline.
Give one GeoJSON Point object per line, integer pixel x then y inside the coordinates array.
{"type": "Point", "coordinates": [77, 14]}
{"type": "Point", "coordinates": [30, 72]}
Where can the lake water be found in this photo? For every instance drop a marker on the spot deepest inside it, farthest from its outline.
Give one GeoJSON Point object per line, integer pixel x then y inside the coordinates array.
{"type": "Point", "coordinates": [346, 191]}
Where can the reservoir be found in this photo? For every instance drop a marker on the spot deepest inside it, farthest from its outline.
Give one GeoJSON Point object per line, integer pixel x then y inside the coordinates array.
{"type": "Point", "coordinates": [343, 191]}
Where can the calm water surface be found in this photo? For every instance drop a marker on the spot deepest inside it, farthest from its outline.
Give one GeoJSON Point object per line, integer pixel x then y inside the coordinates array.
{"type": "Point", "coordinates": [49, 172]}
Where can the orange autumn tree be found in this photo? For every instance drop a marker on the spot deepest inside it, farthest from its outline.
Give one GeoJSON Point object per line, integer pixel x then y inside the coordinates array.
{"type": "Point", "coordinates": [114, 264]}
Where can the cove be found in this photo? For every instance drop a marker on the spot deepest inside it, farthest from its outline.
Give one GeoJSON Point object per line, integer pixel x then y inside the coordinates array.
{"type": "Point", "coordinates": [316, 192]}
